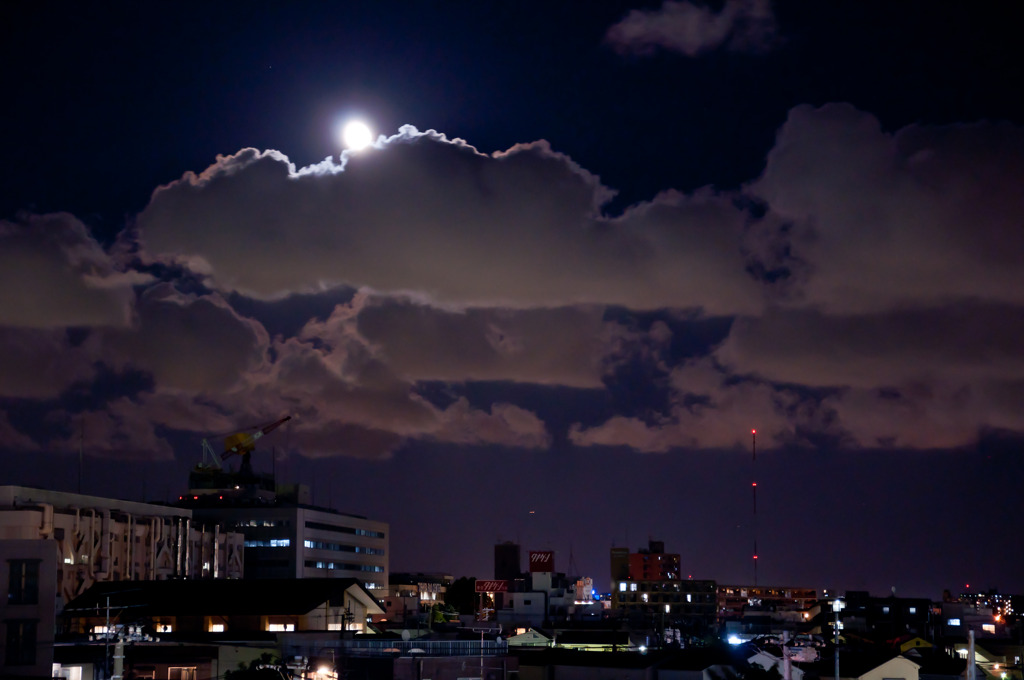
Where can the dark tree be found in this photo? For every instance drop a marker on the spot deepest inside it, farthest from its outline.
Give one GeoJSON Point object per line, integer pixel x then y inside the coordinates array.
{"type": "Point", "coordinates": [462, 595]}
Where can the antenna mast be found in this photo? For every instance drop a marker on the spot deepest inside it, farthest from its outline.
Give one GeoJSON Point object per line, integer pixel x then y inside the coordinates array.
{"type": "Point", "coordinates": [753, 460]}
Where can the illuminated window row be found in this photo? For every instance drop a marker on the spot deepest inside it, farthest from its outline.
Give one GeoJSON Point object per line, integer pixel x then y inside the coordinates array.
{"type": "Point", "coordinates": [341, 547]}
{"type": "Point", "coordinates": [344, 530]}
{"type": "Point", "coordinates": [343, 566]}
{"type": "Point", "coordinates": [268, 543]}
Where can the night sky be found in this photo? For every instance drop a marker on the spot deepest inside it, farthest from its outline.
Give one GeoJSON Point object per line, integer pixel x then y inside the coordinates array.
{"type": "Point", "coordinates": [593, 246]}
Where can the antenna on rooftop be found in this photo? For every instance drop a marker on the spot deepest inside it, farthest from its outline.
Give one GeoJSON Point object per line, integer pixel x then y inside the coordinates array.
{"type": "Point", "coordinates": [81, 450]}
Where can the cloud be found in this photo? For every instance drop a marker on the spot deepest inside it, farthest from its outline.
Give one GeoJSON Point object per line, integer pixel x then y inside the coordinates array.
{"type": "Point", "coordinates": [865, 288]}
{"type": "Point", "coordinates": [40, 363]}
{"type": "Point", "coordinates": [965, 341]}
{"type": "Point", "coordinates": [13, 438]}
{"type": "Point", "coordinates": [504, 424]}
{"type": "Point", "coordinates": [55, 275]}
{"type": "Point", "coordinates": [933, 415]}
{"type": "Point", "coordinates": [558, 346]}
{"type": "Point", "coordinates": [710, 409]}
{"type": "Point", "coordinates": [434, 218]}
{"type": "Point", "coordinates": [122, 430]}
{"type": "Point", "coordinates": [687, 28]}
{"type": "Point", "coordinates": [882, 221]}
{"type": "Point", "coordinates": [188, 342]}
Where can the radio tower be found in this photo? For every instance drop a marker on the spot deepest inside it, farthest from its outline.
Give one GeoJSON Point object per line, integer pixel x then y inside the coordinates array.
{"type": "Point", "coordinates": [753, 460]}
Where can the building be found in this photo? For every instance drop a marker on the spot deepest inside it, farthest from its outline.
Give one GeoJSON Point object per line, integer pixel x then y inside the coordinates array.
{"type": "Point", "coordinates": [193, 629]}
{"type": "Point", "coordinates": [54, 546]}
{"type": "Point", "coordinates": [746, 611]}
{"type": "Point", "coordinates": [410, 597]}
{"type": "Point", "coordinates": [239, 607]}
{"type": "Point", "coordinates": [646, 564]}
{"type": "Point", "coordinates": [286, 536]}
{"type": "Point", "coordinates": [507, 561]}
{"type": "Point", "coordinates": [291, 540]}
{"type": "Point", "coordinates": [646, 586]}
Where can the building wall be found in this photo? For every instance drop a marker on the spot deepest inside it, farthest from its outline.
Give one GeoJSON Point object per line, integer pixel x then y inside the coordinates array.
{"type": "Point", "coordinates": [306, 542]}
{"type": "Point", "coordinates": [733, 599]}
{"type": "Point", "coordinates": [28, 607]}
{"type": "Point", "coordinates": [646, 566]}
{"type": "Point", "coordinates": [105, 539]}
{"type": "Point", "coordinates": [689, 599]}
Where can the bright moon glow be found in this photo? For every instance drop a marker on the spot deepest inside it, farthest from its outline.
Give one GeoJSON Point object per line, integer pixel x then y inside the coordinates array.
{"type": "Point", "coordinates": [356, 135]}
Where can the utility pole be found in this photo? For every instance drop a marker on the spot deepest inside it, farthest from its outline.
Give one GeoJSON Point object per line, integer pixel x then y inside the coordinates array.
{"type": "Point", "coordinates": [837, 604]}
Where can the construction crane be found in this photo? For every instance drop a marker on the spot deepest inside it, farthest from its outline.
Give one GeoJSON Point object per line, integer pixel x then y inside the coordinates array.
{"type": "Point", "coordinates": [210, 476]}
{"type": "Point", "coordinates": [243, 443]}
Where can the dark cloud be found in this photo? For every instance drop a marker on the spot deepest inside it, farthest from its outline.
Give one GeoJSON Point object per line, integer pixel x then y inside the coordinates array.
{"type": "Point", "coordinates": [881, 221]}
{"type": "Point", "coordinates": [709, 410]}
{"type": "Point", "coordinates": [187, 342]}
{"type": "Point", "coordinates": [559, 346]}
{"type": "Point", "coordinates": [41, 364]}
{"type": "Point", "coordinates": [54, 274]}
{"type": "Point", "coordinates": [691, 29]}
{"type": "Point", "coordinates": [963, 341]}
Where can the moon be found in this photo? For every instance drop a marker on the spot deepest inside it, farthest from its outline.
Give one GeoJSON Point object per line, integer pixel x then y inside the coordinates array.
{"type": "Point", "coordinates": [356, 135]}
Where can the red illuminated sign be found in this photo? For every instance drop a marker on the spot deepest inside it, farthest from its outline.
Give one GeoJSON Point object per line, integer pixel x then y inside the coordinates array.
{"type": "Point", "coordinates": [491, 586]}
{"type": "Point", "coordinates": [542, 560]}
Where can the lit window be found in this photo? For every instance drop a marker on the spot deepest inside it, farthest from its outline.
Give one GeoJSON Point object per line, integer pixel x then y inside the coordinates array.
{"type": "Point", "coordinates": [989, 628]}
{"type": "Point", "coordinates": [952, 622]}
{"type": "Point", "coordinates": [216, 628]}
{"type": "Point", "coordinates": [689, 597]}
{"type": "Point", "coordinates": [644, 597]}
{"type": "Point", "coordinates": [913, 610]}
{"type": "Point", "coordinates": [280, 627]}
{"type": "Point", "coordinates": [632, 587]}
{"type": "Point", "coordinates": [99, 630]}
{"type": "Point", "coordinates": [885, 610]}
{"type": "Point", "coordinates": [334, 626]}
{"type": "Point", "coordinates": [164, 628]}
{"type": "Point", "coordinates": [622, 586]}
{"type": "Point", "coordinates": [666, 609]}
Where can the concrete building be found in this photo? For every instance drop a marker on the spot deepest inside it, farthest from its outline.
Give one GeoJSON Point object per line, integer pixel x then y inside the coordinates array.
{"type": "Point", "coordinates": [647, 585]}
{"type": "Point", "coordinates": [646, 564]}
{"type": "Point", "coordinates": [54, 546]}
{"type": "Point", "coordinates": [286, 539]}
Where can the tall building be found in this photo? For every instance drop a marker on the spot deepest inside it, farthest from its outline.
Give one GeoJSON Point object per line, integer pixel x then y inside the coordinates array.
{"type": "Point", "coordinates": [507, 561]}
{"type": "Point", "coordinates": [286, 537]}
{"type": "Point", "coordinates": [54, 546]}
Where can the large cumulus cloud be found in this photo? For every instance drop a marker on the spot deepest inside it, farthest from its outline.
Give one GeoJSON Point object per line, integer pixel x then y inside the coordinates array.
{"type": "Point", "coordinates": [423, 214]}
{"type": "Point", "coordinates": [864, 288]}
{"type": "Point", "coordinates": [895, 220]}
{"type": "Point", "coordinates": [893, 278]}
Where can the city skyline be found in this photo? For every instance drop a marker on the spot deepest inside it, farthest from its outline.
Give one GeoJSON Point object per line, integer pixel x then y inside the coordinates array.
{"type": "Point", "coordinates": [592, 247]}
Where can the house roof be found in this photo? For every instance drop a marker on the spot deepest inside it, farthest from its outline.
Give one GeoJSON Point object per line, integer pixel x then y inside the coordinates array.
{"type": "Point", "coordinates": [254, 597]}
{"type": "Point", "coordinates": [593, 637]}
